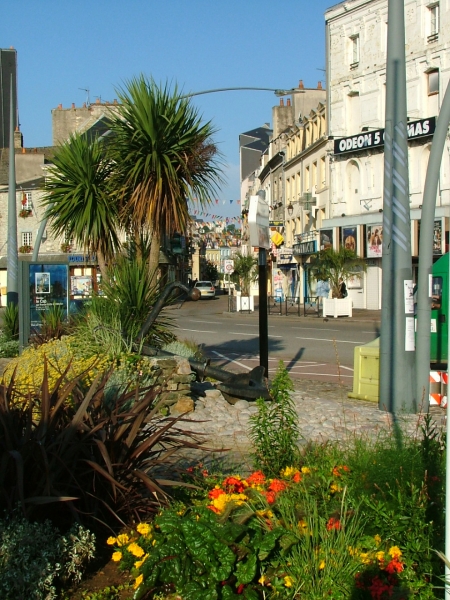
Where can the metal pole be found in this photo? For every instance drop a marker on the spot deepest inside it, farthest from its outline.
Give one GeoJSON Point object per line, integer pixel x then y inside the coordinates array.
{"type": "Point", "coordinates": [12, 258]}
{"type": "Point", "coordinates": [263, 319]}
{"type": "Point", "coordinates": [426, 254]}
{"type": "Point", "coordinates": [397, 319]}
{"type": "Point", "coordinates": [447, 474]}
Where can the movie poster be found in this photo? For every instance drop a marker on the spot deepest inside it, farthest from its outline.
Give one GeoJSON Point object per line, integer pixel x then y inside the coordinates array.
{"type": "Point", "coordinates": [326, 239]}
{"type": "Point", "coordinates": [374, 241]}
{"type": "Point", "coordinates": [349, 238]}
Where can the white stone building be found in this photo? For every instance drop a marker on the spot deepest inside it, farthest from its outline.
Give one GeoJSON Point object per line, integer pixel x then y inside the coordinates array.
{"type": "Point", "coordinates": [356, 39]}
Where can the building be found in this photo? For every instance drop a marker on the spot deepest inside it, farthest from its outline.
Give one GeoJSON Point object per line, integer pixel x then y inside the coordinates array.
{"type": "Point", "coordinates": [356, 37]}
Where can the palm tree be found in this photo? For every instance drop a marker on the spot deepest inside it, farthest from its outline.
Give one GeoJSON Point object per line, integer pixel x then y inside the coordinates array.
{"type": "Point", "coordinates": [336, 265]}
{"type": "Point", "coordinates": [245, 271]}
{"type": "Point", "coordinates": [78, 200]}
{"type": "Point", "coordinates": [163, 155]}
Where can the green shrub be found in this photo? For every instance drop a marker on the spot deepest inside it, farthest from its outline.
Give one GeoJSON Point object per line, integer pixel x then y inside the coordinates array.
{"type": "Point", "coordinates": [8, 348]}
{"type": "Point", "coordinates": [274, 429]}
{"type": "Point", "coordinates": [35, 558]}
{"type": "Point", "coordinates": [11, 322]}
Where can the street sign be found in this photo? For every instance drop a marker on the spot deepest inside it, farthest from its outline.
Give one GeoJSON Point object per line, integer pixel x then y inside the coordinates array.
{"type": "Point", "coordinates": [228, 266]}
{"type": "Point", "coordinates": [258, 222]}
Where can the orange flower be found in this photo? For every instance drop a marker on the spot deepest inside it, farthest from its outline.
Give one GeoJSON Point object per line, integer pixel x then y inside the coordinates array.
{"type": "Point", "coordinates": [270, 496]}
{"type": "Point", "coordinates": [237, 486]}
{"type": "Point", "coordinates": [297, 477]}
{"type": "Point", "coordinates": [256, 478]}
{"type": "Point", "coordinates": [333, 523]}
{"type": "Point", "coordinates": [215, 493]}
{"type": "Point", "coordinates": [277, 485]}
{"type": "Point", "coordinates": [395, 566]}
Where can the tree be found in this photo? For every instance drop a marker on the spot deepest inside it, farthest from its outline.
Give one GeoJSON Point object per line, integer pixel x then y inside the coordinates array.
{"type": "Point", "coordinates": [331, 265]}
{"type": "Point", "coordinates": [245, 270]}
{"type": "Point", "coordinates": [210, 271]}
{"type": "Point", "coordinates": [78, 198]}
{"type": "Point", "coordinates": [163, 155]}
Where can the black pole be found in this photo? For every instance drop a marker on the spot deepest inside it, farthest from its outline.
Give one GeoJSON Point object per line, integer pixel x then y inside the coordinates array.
{"type": "Point", "coordinates": [263, 321]}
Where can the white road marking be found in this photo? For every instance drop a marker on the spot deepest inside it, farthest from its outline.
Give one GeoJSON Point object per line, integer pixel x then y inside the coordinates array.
{"type": "Point", "coordinates": [329, 340]}
{"type": "Point", "coordinates": [315, 329]}
{"type": "Point", "coordinates": [236, 362]}
{"type": "Point", "coordinates": [199, 331]}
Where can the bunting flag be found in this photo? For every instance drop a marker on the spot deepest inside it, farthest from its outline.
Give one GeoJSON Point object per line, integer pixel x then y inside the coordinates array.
{"type": "Point", "coordinates": [217, 202]}
{"type": "Point", "coordinates": [238, 201]}
{"type": "Point", "coordinates": [231, 201]}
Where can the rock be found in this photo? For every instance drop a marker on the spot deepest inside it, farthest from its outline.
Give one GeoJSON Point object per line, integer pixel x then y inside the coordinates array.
{"type": "Point", "coordinates": [184, 405]}
{"type": "Point", "coordinates": [241, 404]}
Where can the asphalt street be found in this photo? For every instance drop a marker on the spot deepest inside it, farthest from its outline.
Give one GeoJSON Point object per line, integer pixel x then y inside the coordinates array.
{"type": "Point", "coordinates": [310, 347]}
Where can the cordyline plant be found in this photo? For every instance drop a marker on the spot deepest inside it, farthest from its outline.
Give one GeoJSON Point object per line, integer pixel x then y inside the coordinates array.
{"type": "Point", "coordinates": [98, 463]}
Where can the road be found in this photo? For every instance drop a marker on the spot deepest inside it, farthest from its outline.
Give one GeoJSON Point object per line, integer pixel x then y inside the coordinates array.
{"type": "Point", "coordinates": [310, 347]}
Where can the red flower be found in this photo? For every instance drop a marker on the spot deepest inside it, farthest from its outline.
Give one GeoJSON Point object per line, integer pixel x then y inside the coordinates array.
{"type": "Point", "coordinates": [333, 523]}
{"type": "Point", "coordinates": [277, 486]}
{"type": "Point", "coordinates": [240, 588]}
{"type": "Point", "coordinates": [297, 477]}
{"type": "Point", "coordinates": [213, 508]}
{"type": "Point", "coordinates": [215, 493]}
{"type": "Point", "coordinates": [236, 485]}
{"type": "Point", "coordinates": [270, 496]}
{"type": "Point", "coordinates": [395, 566]}
{"type": "Point", "coordinates": [256, 478]}
{"type": "Point", "coordinates": [190, 469]}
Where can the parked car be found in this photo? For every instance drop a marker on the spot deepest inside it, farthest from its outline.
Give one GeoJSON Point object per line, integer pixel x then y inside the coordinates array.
{"type": "Point", "coordinates": [206, 289]}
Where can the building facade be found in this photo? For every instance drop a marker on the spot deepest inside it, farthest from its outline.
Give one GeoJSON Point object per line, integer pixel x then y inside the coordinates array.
{"type": "Point", "coordinates": [356, 38]}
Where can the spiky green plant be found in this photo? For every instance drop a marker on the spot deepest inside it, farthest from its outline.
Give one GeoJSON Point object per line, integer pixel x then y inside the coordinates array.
{"type": "Point", "coordinates": [274, 429]}
{"type": "Point", "coordinates": [11, 322]}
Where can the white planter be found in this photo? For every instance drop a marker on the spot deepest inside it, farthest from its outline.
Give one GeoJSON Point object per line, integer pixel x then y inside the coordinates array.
{"type": "Point", "coordinates": [245, 303]}
{"type": "Point", "coordinates": [337, 307]}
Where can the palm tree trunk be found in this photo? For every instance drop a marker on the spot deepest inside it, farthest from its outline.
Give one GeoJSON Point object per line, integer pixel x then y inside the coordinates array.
{"type": "Point", "coordinates": [154, 256]}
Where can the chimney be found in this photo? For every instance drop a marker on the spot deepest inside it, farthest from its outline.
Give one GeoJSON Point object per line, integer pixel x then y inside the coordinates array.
{"type": "Point", "coordinates": [319, 85]}
{"type": "Point", "coordinates": [288, 102]}
{"type": "Point", "coordinates": [300, 85]}
{"type": "Point", "coordinates": [97, 101]}
{"type": "Point", "coordinates": [281, 102]}
{"type": "Point", "coordinates": [115, 101]}
{"type": "Point", "coordinates": [59, 106]}
{"type": "Point", "coordinates": [18, 138]}
{"type": "Point", "coordinates": [73, 105]}
{"type": "Point", "coordinates": [84, 104]}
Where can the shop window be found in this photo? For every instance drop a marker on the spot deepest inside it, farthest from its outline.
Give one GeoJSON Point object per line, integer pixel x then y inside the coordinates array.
{"type": "Point", "coordinates": [436, 301]}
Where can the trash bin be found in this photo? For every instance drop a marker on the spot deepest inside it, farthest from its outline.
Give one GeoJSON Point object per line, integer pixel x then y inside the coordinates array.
{"type": "Point", "coordinates": [366, 376]}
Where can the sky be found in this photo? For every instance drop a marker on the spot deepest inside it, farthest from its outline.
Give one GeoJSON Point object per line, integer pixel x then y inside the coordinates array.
{"type": "Point", "coordinates": [66, 47]}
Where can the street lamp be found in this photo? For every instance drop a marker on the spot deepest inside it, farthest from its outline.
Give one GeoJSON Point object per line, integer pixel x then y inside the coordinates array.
{"type": "Point", "coordinates": [290, 209]}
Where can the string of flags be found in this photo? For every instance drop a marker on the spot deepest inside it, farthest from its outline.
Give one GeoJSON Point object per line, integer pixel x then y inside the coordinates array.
{"type": "Point", "coordinates": [201, 213]}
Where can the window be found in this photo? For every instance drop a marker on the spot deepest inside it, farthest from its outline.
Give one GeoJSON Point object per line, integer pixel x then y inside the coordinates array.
{"type": "Point", "coordinates": [27, 238]}
{"type": "Point", "coordinates": [433, 22]}
{"type": "Point", "coordinates": [26, 201]}
{"type": "Point", "coordinates": [436, 301]}
{"type": "Point", "coordinates": [354, 49]}
{"type": "Point", "coordinates": [433, 82]}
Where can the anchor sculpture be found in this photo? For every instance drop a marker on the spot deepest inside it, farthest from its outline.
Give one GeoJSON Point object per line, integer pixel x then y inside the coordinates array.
{"type": "Point", "coordinates": [234, 386]}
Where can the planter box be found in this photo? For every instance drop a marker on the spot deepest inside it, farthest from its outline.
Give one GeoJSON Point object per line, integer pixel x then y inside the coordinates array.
{"type": "Point", "coordinates": [244, 303]}
{"type": "Point", "coordinates": [337, 307]}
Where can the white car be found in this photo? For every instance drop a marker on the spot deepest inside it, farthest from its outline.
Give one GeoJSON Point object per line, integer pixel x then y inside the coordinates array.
{"type": "Point", "coordinates": [206, 289]}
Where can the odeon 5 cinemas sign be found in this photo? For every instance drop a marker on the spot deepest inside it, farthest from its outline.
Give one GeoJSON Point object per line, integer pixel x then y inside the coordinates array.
{"type": "Point", "coordinates": [374, 139]}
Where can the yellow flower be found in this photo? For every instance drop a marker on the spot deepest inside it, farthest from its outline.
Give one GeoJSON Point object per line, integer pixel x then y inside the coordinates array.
{"type": "Point", "coordinates": [380, 555]}
{"type": "Point", "coordinates": [154, 543]}
{"type": "Point", "coordinates": [144, 528]}
{"type": "Point", "coordinates": [262, 580]}
{"type": "Point", "coordinates": [117, 556]}
{"type": "Point", "coordinates": [288, 472]}
{"type": "Point", "coordinates": [139, 580]}
{"type": "Point", "coordinates": [322, 565]}
{"type": "Point", "coordinates": [365, 558]}
{"type": "Point", "coordinates": [288, 581]}
{"type": "Point", "coordinates": [306, 470]}
{"type": "Point", "coordinates": [122, 539]}
{"type": "Point", "coordinates": [111, 541]}
{"type": "Point", "coordinates": [334, 487]}
{"type": "Point", "coordinates": [395, 552]}
{"type": "Point", "coordinates": [135, 550]}
{"type": "Point", "coordinates": [138, 564]}
{"type": "Point", "coordinates": [377, 539]}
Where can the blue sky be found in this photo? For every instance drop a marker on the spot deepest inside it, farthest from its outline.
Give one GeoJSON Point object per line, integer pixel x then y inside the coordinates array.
{"type": "Point", "coordinates": [97, 44]}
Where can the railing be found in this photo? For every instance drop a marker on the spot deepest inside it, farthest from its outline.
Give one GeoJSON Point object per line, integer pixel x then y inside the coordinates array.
{"type": "Point", "coordinates": [311, 306]}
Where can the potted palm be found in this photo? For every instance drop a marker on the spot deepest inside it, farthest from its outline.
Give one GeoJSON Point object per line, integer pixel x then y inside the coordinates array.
{"type": "Point", "coordinates": [337, 267]}
{"type": "Point", "coordinates": [245, 271]}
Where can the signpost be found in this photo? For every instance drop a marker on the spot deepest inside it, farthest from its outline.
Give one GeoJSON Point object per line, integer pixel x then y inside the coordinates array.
{"type": "Point", "coordinates": [228, 267]}
{"type": "Point", "coordinates": [258, 222]}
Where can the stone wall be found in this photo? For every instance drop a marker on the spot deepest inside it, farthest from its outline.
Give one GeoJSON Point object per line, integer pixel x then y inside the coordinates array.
{"type": "Point", "coordinates": [175, 376]}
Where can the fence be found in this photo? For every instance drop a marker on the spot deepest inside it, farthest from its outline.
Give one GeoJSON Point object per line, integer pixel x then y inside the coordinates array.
{"type": "Point", "coordinates": [311, 305]}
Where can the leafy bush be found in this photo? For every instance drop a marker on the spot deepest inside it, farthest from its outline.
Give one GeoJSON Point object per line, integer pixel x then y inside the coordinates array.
{"type": "Point", "coordinates": [273, 429]}
{"type": "Point", "coordinates": [8, 348]}
{"type": "Point", "coordinates": [11, 322]}
{"type": "Point", "coordinates": [106, 462]}
{"type": "Point", "coordinates": [35, 558]}
{"type": "Point", "coordinates": [184, 348]}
